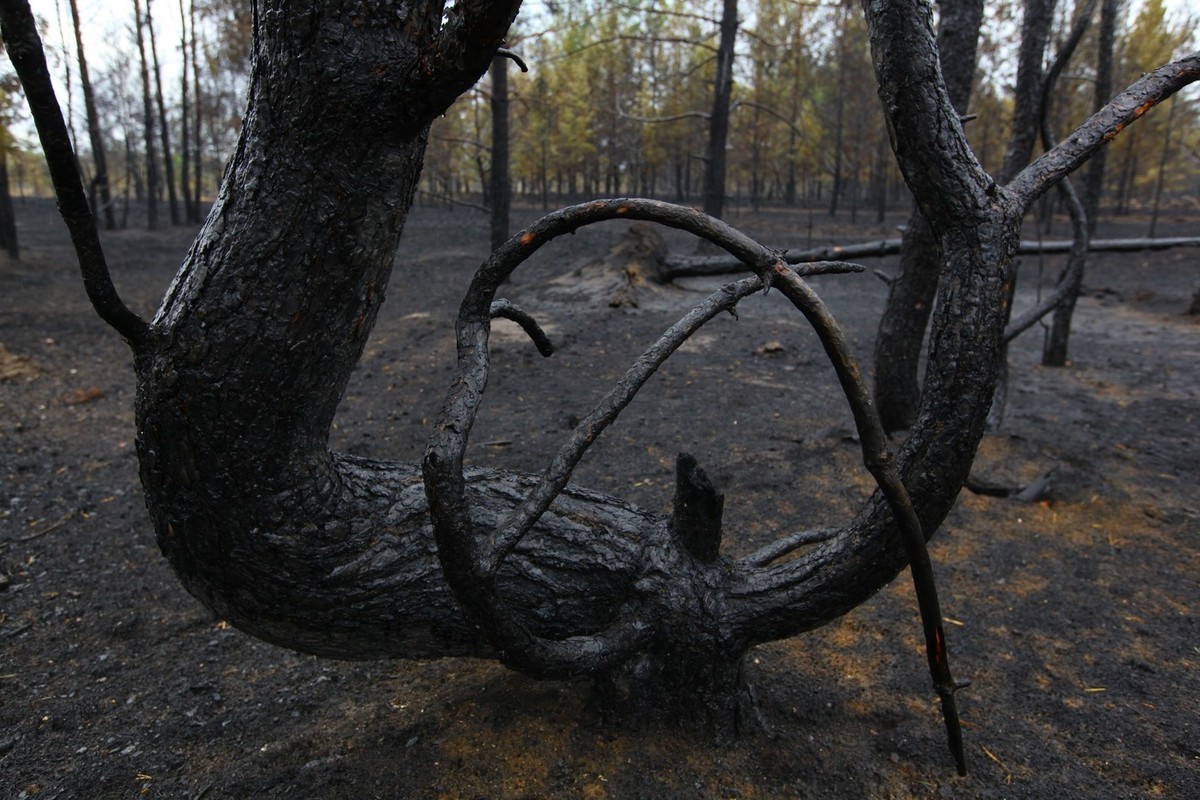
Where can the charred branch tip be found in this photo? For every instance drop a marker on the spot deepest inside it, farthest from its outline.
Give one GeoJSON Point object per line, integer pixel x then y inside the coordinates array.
{"type": "Point", "coordinates": [696, 519]}
{"type": "Point", "coordinates": [506, 310]}
{"type": "Point", "coordinates": [504, 52]}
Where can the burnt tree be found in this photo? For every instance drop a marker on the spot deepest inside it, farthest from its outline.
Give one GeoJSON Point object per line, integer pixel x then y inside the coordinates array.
{"type": "Point", "coordinates": [910, 295]}
{"type": "Point", "coordinates": [242, 367]}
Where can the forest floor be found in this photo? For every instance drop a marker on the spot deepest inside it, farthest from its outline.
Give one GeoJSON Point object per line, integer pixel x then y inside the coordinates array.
{"type": "Point", "coordinates": [1075, 617]}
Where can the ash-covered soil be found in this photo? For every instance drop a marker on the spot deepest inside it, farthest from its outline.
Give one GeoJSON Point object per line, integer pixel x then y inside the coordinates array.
{"type": "Point", "coordinates": [1074, 617]}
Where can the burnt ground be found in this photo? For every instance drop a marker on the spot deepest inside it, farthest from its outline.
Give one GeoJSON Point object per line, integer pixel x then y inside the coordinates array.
{"type": "Point", "coordinates": [1074, 617]}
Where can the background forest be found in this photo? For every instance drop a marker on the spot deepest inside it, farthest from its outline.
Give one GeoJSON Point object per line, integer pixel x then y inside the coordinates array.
{"type": "Point", "coordinates": [617, 100]}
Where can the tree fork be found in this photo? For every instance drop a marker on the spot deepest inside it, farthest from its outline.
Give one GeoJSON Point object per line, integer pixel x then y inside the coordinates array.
{"type": "Point", "coordinates": [243, 366]}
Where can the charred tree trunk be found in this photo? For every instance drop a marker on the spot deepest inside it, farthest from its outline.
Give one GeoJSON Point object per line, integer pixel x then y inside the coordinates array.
{"type": "Point", "coordinates": [198, 117]}
{"type": "Point", "coordinates": [164, 130]}
{"type": "Point", "coordinates": [190, 213]}
{"type": "Point", "coordinates": [8, 217]}
{"type": "Point", "coordinates": [839, 115]}
{"type": "Point", "coordinates": [718, 121]}
{"type": "Point", "coordinates": [95, 134]}
{"type": "Point", "coordinates": [1054, 348]}
{"type": "Point", "coordinates": [245, 362]}
{"type": "Point", "coordinates": [911, 293]}
{"type": "Point", "coordinates": [147, 121]}
{"type": "Point", "coordinates": [500, 196]}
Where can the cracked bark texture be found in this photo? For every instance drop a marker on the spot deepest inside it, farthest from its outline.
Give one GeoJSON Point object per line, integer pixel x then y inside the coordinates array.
{"type": "Point", "coordinates": [905, 316]}
{"type": "Point", "coordinates": [254, 343]}
{"type": "Point", "coordinates": [241, 370]}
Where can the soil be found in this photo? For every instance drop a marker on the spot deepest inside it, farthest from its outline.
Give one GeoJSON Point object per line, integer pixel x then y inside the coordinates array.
{"type": "Point", "coordinates": [1075, 616]}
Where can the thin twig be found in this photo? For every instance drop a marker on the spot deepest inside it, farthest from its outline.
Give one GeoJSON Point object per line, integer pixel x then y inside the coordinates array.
{"type": "Point", "coordinates": [53, 526]}
{"type": "Point", "coordinates": [788, 544]}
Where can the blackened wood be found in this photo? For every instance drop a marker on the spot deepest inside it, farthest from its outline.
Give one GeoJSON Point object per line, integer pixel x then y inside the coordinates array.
{"type": "Point", "coordinates": [901, 331]}
{"type": "Point", "coordinates": [24, 48]}
{"type": "Point", "coordinates": [696, 518]}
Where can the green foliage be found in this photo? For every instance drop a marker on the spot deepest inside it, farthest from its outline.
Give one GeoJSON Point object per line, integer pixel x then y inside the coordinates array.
{"type": "Point", "coordinates": [616, 99]}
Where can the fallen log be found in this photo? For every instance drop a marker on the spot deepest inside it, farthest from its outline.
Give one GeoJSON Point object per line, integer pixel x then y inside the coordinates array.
{"type": "Point", "coordinates": [682, 266]}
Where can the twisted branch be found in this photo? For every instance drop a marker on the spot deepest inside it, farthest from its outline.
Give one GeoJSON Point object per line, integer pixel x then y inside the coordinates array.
{"type": "Point", "coordinates": [471, 559]}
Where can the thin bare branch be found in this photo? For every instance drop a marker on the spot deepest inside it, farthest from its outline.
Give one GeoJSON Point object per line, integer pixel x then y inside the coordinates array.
{"type": "Point", "coordinates": [506, 310]}
{"type": "Point", "coordinates": [25, 50]}
{"type": "Point", "coordinates": [1102, 127]}
{"type": "Point", "coordinates": [788, 544]}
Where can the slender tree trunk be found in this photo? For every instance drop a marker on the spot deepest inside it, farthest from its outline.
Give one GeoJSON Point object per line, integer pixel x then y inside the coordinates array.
{"type": "Point", "coordinates": [1035, 34]}
{"type": "Point", "coordinates": [164, 130]}
{"type": "Point", "coordinates": [1054, 350]}
{"type": "Point", "coordinates": [95, 134]}
{"type": "Point", "coordinates": [911, 293]}
{"type": "Point", "coordinates": [147, 123]}
{"type": "Point", "coordinates": [8, 218]}
{"type": "Point", "coordinates": [839, 116]}
{"type": "Point", "coordinates": [718, 122]}
{"type": "Point", "coordinates": [1162, 171]}
{"type": "Point", "coordinates": [185, 110]}
{"type": "Point", "coordinates": [198, 102]}
{"type": "Point", "coordinates": [501, 186]}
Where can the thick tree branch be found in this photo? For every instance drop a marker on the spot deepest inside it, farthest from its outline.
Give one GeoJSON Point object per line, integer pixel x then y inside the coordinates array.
{"type": "Point", "coordinates": [1102, 127]}
{"type": "Point", "coordinates": [25, 50]}
{"type": "Point", "coordinates": [464, 46]}
{"type": "Point", "coordinates": [472, 557]}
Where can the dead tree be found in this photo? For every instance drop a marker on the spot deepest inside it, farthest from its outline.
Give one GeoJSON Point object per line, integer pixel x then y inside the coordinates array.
{"type": "Point", "coordinates": [911, 293]}
{"type": "Point", "coordinates": [241, 369]}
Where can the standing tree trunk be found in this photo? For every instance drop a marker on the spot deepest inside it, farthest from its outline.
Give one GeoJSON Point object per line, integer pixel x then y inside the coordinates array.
{"type": "Point", "coordinates": [147, 123]}
{"type": "Point", "coordinates": [164, 130]}
{"type": "Point", "coordinates": [1162, 173]}
{"type": "Point", "coordinates": [95, 134]}
{"type": "Point", "coordinates": [839, 122]}
{"type": "Point", "coordinates": [499, 179]}
{"type": "Point", "coordinates": [718, 121]}
{"type": "Point", "coordinates": [1035, 33]}
{"type": "Point", "coordinates": [198, 119]}
{"type": "Point", "coordinates": [190, 213]}
{"type": "Point", "coordinates": [905, 316]}
{"type": "Point", "coordinates": [8, 218]}
{"type": "Point", "coordinates": [355, 558]}
{"type": "Point", "coordinates": [1054, 348]}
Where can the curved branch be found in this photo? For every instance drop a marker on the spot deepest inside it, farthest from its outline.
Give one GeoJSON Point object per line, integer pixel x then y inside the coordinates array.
{"type": "Point", "coordinates": [506, 310]}
{"type": "Point", "coordinates": [1068, 282]}
{"type": "Point", "coordinates": [471, 559]}
{"type": "Point", "coordinates": [788, 544]}
{"type": "Point", "coordinates": [25, 50]}
{"type": "Point", "coordinates": [877, 458]}
{"type": "Point", "coordinates": [1102, 127]}
{"type": "Point", "coordinates": [471, 35]}
{"type": "Point", "coordinates": [471, 562]}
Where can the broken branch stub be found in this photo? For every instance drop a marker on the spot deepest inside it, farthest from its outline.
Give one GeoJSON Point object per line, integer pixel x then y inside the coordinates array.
{"type": "Point", "coordinates": [472, 557]}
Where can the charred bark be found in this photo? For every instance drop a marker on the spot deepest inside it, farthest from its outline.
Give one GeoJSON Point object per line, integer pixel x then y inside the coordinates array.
{"type": "Point", "coordinates": [1054, 349]}
{"type": "Point", "coordinates": [718, 120]}
{"type": "Point", "coordinates": [905, 317]}
{"type": "Point", "coordinates": [245, 362]}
